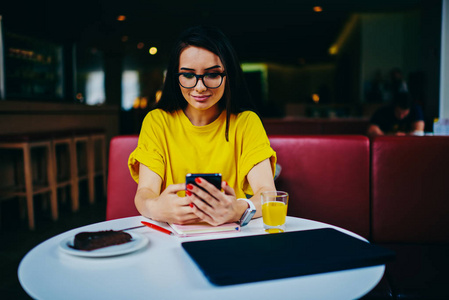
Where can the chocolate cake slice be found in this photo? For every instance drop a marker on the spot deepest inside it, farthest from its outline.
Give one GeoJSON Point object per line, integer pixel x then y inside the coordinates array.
{"type": "Point", "coordinates": [99, 239]}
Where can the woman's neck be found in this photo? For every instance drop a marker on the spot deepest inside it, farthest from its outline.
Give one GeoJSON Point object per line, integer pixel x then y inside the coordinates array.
{"type": "Point", "coordinates": [202, 117]}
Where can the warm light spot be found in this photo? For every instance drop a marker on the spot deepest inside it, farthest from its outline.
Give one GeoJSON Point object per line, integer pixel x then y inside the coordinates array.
{"type": "Point", "coordinates": [153, 50]}
{"type": "Point", "coordinates": [124, 38]}
{"type": "Point", "coordinates": [79, 96]}
{"type": "Point", "coordinates": [143, 102]}
{"type": "Point", "coordinates": [158, 95]}
{"type": "Point", "coordinates": [317, 9]}
{"type": "Point", "coordinates": [121, 18]}
{"type": "Point", "coordinates": [140, 45]}
{"type": "Point", "coordinates": [333, 50]}
{"type": "Point", "coordinates": [315, 98]}
{"type": "Point", "coordinates": [344, 35]}
{"type": "Point", "coordinates": [136, 103]}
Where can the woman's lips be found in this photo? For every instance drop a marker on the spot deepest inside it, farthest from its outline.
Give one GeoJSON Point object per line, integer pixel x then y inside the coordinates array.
{"type": "Point", "coordinates": [201, 98]}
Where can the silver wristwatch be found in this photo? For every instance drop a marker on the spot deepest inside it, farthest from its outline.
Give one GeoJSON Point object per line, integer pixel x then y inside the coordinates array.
{"type": "Point", "coordinates": [249, 212]}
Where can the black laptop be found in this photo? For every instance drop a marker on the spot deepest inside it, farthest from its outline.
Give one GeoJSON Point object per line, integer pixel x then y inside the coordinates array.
{"type": "Point", "coordinates": [272, 256]}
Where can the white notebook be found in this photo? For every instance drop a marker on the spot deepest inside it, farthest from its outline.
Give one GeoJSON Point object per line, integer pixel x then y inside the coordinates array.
{"type": "Point", "coordinates": [203, 228]}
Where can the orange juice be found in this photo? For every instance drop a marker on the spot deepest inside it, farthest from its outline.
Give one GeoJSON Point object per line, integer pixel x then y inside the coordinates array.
{"type": "Point", "coordinates": [274, 213]}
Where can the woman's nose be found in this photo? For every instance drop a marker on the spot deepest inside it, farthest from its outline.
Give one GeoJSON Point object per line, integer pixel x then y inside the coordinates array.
{"type": "Point", "coordinates": [200, 87]}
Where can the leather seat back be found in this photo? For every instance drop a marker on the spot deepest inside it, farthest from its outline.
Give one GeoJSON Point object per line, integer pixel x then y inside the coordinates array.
{"type": "Point", "coordinates": [121, 187]}
{"type": "Point", "coordinates": [410, 189]}
{"type": "Point", "coordinates": [327, 178]}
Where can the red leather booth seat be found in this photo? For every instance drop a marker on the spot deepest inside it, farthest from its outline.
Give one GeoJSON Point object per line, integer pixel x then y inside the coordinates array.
{"type": "Point", "coordinates": [121, 187]}
{"type": "Point", "coordinates": [410, 213]}
{"type": "Point", "coordinates": [330, 179]}
{"type": "Point", "coordinates": [327, 178]}
{"type": "Point", "coordinates": [409, 186]}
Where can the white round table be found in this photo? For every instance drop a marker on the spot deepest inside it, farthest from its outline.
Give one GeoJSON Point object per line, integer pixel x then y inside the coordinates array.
{"type": "Point", "coordinates": [163, 270]}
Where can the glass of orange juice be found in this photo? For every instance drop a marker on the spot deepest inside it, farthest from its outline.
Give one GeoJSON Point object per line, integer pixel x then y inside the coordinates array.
{"type": "Point", "coordinates": [274, 210]}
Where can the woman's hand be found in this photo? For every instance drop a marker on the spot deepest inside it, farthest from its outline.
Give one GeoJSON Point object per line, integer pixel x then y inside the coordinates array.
{"type": "Point", "coordinates": [169, 207]}
{"type": "Point", "coordinates": [213, 206]}
{"type": "Point", "coordinates": [166, 206]}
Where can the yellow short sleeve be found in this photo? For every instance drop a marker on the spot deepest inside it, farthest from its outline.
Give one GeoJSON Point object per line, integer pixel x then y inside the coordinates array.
{"type": "Point", "coordinates": [255, 149]}
{"type": "Point", "coordinates": [148, 151]}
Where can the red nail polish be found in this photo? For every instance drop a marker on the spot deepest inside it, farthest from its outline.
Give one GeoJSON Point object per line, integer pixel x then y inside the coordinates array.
{"type": "Point", "coordinates": [188, 193]}
{"type": "Point", "coordinates": [189, 186]}
{"type": "Point", "coordinates": [198, 180]}
{"type": "Point", "coordinates": [191, 205]}
{"type": "Point", "coordinates": [226, 183]}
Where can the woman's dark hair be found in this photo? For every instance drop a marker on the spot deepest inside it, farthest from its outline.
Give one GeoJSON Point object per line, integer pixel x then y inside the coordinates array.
{"type": "Point", "coordinates": [236, 97]}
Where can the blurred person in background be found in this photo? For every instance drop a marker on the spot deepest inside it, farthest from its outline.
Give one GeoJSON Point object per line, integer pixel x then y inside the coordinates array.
{"type": "Point", "coordinates": [396, 85]}
{"type": "Point", "coordinates": [401, 117]}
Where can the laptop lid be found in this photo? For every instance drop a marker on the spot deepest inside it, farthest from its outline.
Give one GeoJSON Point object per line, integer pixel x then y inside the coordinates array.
{"type": "Point", "coordinates": [273, 256]}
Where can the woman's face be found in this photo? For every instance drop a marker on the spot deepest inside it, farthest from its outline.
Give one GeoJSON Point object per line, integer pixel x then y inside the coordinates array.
{"type": "Point", "coordinates": [198, 61]}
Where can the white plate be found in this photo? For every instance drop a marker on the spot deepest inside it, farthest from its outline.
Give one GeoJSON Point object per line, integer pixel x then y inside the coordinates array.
{"type": "Point", "coordinates": [138, 241]}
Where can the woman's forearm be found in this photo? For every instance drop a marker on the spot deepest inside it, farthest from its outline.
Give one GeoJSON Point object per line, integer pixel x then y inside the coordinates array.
{"type": "Point", "coordinates": [145, 201]}
{"type": "Point", "coordinates": [256, 199]}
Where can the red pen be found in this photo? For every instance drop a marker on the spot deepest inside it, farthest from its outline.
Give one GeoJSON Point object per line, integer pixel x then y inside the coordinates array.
{"type": "Point", "coordinates": [158, 228]}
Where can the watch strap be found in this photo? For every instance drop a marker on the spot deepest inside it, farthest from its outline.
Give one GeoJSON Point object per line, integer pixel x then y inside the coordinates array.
{"type": "Point", "coordinates": [250, 203]}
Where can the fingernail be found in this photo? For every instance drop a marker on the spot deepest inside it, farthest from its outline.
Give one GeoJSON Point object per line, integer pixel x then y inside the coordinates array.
{"type": "Point", "coordinates": [226, 183]}
{"type": "Point", "coordinates": [190, 186]}
{"type": "Point", "coordinates": [198, 180]}
{"type": "Point", "coordinates": [191, 205]}
{"type": "Point", "coordinates": [189, 193]}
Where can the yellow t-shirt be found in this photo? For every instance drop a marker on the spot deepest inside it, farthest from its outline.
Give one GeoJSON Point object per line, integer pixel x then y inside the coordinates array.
{"type": "Point", "coordinates": [172, 147]}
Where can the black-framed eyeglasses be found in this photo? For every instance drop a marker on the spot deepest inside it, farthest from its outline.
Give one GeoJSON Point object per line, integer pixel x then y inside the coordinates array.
{"type": "Point", "coordinates": [210, 80]}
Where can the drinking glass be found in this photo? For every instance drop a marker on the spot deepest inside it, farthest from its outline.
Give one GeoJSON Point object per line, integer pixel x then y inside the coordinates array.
{"type": "Point", "coordinates": [274, 210]}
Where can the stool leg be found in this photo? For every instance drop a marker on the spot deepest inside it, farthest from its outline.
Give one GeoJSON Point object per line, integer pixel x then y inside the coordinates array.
{"type": "Point", "coordinates": [90, 149]}
{"type": "Point", "coordinates": [103, 154]}
{"type": "Point", "coordinates": [51, 175]}
{"type": "Point", "coordinates": [74, 176]}
{"type": "Point", "coordinates": [28, 184]}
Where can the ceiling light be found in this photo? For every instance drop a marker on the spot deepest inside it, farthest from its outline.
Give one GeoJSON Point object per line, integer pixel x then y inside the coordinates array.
{"type": "Point", "coordinates": [333, 50]}
{"type": "Point", "coordinates": [153, 50]}
{"type": "Point", "coordinates": [317, 9]}
{"type": "Point", "coordinates": [348, 29]}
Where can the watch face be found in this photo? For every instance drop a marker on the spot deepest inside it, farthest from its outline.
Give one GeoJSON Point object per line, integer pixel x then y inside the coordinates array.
{"type": "Point", "coordinates": [251, 214]}
{"type": "Point", "coordinates": [247, 217]}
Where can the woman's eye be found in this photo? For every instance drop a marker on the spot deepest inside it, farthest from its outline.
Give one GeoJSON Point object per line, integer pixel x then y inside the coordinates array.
{"type": "Point", "coordinates": [212, 75]}
{"type": "Point", "coordinates": [188, 75]}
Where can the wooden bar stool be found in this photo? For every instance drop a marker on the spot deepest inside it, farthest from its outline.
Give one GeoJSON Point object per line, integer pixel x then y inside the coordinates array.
{"type": "Point", "coordinates": [79, 161]}
{"type": "Point", "coordinates": [97, 158]}
{"type": "Point", "coordinates": [90, 138]}
{"type": "Point", "coordinates": [66, 179]}
{"type": "Point", "coordinates": [26, 143]}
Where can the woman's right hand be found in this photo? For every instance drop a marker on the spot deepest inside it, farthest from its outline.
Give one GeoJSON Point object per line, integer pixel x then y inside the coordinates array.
{"type": "Point", "coordinates": [172, 208]}
{"type": "Point", "coordinates": [165, 206]}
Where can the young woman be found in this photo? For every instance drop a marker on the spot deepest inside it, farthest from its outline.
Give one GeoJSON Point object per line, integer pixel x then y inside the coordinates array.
{"type": "Point", "coordinates": [201, 125]}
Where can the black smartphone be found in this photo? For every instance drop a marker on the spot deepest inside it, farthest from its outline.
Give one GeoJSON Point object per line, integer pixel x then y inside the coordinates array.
{"type": "Point", "coordinates": [214, 178]}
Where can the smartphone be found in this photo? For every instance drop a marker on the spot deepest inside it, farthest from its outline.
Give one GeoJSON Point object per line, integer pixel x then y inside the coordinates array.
{"type": "Point", "coordinates": [214, 178]}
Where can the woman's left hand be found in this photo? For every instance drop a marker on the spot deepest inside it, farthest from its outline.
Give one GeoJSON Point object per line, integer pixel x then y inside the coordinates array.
{"type": "Point", "coordinates": [214, 206]}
